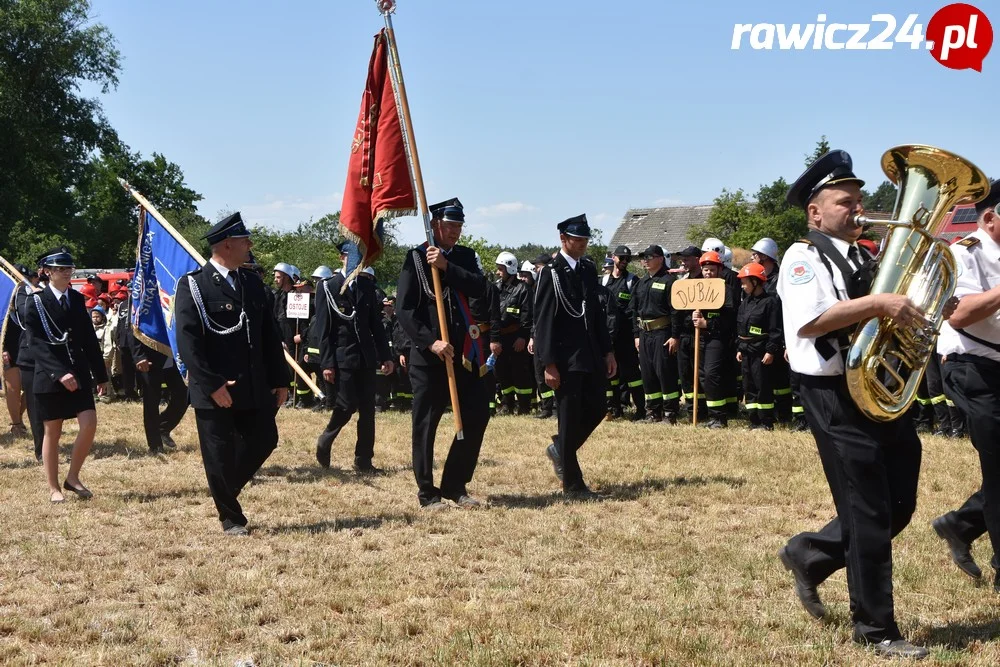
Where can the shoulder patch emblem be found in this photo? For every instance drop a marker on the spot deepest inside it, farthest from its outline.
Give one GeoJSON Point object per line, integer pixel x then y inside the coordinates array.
{"type": "Point", "coordinates": [968, 241]}
{"type": "Point", "coordinates": [799, 273]}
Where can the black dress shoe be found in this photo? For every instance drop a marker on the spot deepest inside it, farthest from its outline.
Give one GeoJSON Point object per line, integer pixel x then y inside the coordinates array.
{"type": "Point", "coordinates": [960, 554]}
{"type": "Point", "coordinates": [157, 450]}
{"type": "Point", "coordinates": [167, 440]}
{"type": "Point", "coordinates": [364, 468]}
{"type": "Point", "coordinates": [323, 445]}
{"type": "Point", "coordinates": [896, 648]}
{"type": "Point", "coordinates": [553, 453]}
{"type": "Point", "coordinates": [582, 493]}
{"type": "Point", "coordinates": [82, 491]}
{"type": "Point", "coordinates": [804, 589]}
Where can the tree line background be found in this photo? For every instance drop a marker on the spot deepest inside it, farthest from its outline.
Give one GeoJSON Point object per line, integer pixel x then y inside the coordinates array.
{"type": "Point", "coordinates": [60, 159]}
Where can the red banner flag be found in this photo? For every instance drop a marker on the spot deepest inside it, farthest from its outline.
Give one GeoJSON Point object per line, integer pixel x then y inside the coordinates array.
{"type": "Point", "coordinates": [378, 177]}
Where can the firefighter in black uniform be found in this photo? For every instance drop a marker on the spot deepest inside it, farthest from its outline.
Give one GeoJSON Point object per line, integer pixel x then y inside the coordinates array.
{"type": "Point", "coordinates": [352, 345]}
{"type": "Point", "coordinates": [546, 395]}
{"type": "Point", "coordinates": [385, 384]}
{"type": "Point", "coordinates": [14, 327]}
{"type": "Point", "coordinates": [717, 340]}
{"type": "Point", "coordinates": [786, 402]}
{"type": "Point", "coordinates": [462, 278]}
{"type": "Point", "coordinates": [513, 365]}
{"type": "Point", "coordinates": [401, 347]}
{"type": "Point", "coordinates": [682, 329]}
{"type": "Point", "coordinates": [573, 344]}
{"type": "Point", "coordinates": [156, 368]}
{"type": "Point", "coordinates": [760, 343]}
{"type": "Point", "coordinates": [628, 381]}
{"type": "Point", "coordinates": [237, 374]}
{"type": "Point", "coordinates": [651, 324]}
{"type": "Point", "coordinates": [871, 466]}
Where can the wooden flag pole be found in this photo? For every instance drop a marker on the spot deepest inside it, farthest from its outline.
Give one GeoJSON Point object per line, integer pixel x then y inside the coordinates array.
{"type": "Point", "coordinates": [387, 7]}
{"type": "Point", "coordinates": [201, 260]}
{"type": "Point", "coordinates": [12, 270]}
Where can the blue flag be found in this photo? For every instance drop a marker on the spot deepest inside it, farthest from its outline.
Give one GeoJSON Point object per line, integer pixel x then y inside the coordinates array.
{"type": "Point", "coordinates": [8, 287]}
{"type": "Point", "coordinates": [161, 264]}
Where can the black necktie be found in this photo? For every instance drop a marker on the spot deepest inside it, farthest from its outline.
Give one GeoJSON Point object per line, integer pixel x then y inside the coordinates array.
{"type": "Point", "coordinates": [854, 256]}
{"type": "Point", "coordinates": [64, 302]}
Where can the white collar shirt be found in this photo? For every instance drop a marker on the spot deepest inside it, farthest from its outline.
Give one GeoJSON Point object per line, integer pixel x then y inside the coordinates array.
{"type": "Point", "coordinates": [569, 260]}
{"type": "Point", "coordinates": [223, 271]}
{"type": "Point", "coordinates": [59, 295]}
{"type": "Point", "coordinates": [978, 267]}
{"type": "Point", "coordinates": [807, 290]}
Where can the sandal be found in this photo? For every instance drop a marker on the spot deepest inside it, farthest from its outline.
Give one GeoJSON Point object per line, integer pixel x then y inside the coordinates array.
{"type": "Point", "coordinates": [83, 491]}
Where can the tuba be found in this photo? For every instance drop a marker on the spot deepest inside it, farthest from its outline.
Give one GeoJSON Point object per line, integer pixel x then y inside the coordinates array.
{"type": "Point", "coordinates": [885, 362]}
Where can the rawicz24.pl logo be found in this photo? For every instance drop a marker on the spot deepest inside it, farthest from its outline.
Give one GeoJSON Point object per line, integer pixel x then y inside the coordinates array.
{"type": "Point", "coordinates": [958, 36]}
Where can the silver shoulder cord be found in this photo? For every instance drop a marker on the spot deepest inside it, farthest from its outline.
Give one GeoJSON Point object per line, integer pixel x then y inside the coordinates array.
{"type": "Point", "coordinates": [564, 300]}
{"type": "Point", "coordinates": [48, 325]}
{"type": "Point", "coordinates": [332, 305]}
{"type": "Point", "coordinates": [208, 322]}
{"type": "Point", "coordinates": [422, 278]}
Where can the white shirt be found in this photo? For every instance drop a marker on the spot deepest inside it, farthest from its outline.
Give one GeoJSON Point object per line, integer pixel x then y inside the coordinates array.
{"type": "Point", "coordinates": [222, 270]}
{"type": "Point", "coordinates": [569, 260]}
{"type": "Point", "coordinates": [59, 295]}
{"type": "Point", "coordinates": [978, 272]}
{"type": "Point", "coordinates": [807, 290]}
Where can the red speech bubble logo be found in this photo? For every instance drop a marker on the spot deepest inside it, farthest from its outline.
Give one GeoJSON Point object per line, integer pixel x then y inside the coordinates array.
{"type": "Point", "coordinates": [962, 36]}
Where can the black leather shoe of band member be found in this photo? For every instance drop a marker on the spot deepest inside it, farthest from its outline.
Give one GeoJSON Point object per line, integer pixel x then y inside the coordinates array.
{"type": "Point", "coordinates": [553, 455]}
{"type": "Point", "coordinates": [323, 446]}
{"type": "Point", "coordinates": [960, 554]}
{"type": "Point", "coordinates": [895, 648]}
{"type": "Point", "coordinates": [804, 589]}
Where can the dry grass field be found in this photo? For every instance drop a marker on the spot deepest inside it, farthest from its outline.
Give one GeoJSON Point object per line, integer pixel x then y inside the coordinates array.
{"type": "Point", "coordinates": [676, 565]}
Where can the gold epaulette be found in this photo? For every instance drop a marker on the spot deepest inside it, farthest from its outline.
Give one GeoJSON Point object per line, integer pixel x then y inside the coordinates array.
{"type": "Point", "coordinates": [968, 241]}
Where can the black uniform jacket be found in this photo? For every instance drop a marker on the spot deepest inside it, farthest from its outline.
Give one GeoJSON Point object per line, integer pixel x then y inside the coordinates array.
{"type": "Point", "coordinates": [515, 309]}
{"type": "Point", "coordinates": [621, 288]}
{"type": "Point", "coordinates": [81, 356]}
{"type": "Point", "coordinates": [252, 356]}
{"type": "Point", "coordinates": [15, 325]}
{"type": "Point", "coordinates": [572, 343]}
{"type": "Point", "coordinates": [417, 311]}
{"type": "Point", "coordinates": [651, 300]}
{"type": "Point", "coordinates": [354, 343]}
{"type": "Point", "coordinates": [758, 325]}
{"type": "Point", "coordinates": [25, 360]}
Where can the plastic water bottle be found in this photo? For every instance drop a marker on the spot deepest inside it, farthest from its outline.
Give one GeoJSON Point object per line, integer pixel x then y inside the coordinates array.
{"type": "Point", "coordinates": [491, 362]}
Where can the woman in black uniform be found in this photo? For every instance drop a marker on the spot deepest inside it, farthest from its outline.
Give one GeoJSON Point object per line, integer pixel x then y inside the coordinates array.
{"type": "Point", "coordinates": [67, 363]}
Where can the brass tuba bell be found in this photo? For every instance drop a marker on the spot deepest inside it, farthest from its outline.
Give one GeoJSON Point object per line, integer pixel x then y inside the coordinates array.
{"type": "Point", "coordinates": [884, 361]}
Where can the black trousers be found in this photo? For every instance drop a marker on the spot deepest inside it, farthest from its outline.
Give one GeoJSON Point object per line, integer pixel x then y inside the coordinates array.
{"type": "Point", "coordinates": [384, 386]}
{"type": "Point", "coordinates": [155, 423]}
{"type": "Point", "coordinates": [128, 374]}
{"type": "Point", "coordinates": [355, 389]}
{"type": "Point", "coordinates": [515, 377]}
{"type": "Point", "coordinates": [782, 388]}
{"type": "Point", "coordinates": [34, 419]}
{"type": "Point", "coordinates": [872, 469]}
{"type": "Point", "coordinates": [935, 390]}
{"type": "Point", "coordinates": [430, 398]}
{"type": "Point", "coordinates": [404, 392]}
{"type": "Point", "coordinates": [974, 384]}
{"type": "Point", "coordinates": [627, 381]}
{"type": "Point", "coordinates": [758, 388]}
{"type": "Point", "coordinates": [546, 395]}
{"type": "Point", "coordinates": [581, 406]}
{"type": "Point", "coordinates": [685, 368]}
{"type": "Point", "coordinates": [717, 377]}
{"type": "Point", "coordinates": [659, 374]}
{"type": "Point", "coordinates": [231, 462]}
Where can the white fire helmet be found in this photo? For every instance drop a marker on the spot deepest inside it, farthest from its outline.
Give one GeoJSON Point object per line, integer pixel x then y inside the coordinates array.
{"type": "Point", "coordinates": [508, 261]}
{"type": "Point", "coordinates": [528, 267]}
{"type": "Point", "coordinates": [727, 257]}
{"type": "Point", "coordinates": [287, 269]}
{"type": "Point", "coordinates": [322, 272]}
{"type": "Point", "coordinates": [766, 247]}
{"type": "Point", "coordinates": [712, 243]}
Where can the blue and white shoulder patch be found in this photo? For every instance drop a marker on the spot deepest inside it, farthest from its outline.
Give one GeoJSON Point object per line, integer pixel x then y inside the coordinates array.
{"type": "Point", "coordinates": [799, 273]}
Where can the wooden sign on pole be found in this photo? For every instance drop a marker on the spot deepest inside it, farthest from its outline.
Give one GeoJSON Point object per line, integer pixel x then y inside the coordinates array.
{"type": "Point", "coordinates": [697, 294]}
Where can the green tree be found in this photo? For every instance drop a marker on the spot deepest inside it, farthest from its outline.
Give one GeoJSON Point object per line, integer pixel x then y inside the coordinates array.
{"type": "Point", "coordinates": [883, 199]}
{"type": "Point", "coordinates": [107, 213]}
{"type": "Point", "coordinates": [731, 211]}
{"type": "Point", "coordinates": [48, 48]}
{"type": "Point", "coordinates": [822, 148]}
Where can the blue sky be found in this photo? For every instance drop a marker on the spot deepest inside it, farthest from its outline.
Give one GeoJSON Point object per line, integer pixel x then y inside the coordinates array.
{"type": "Point", "coordinates": [529, 111]}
